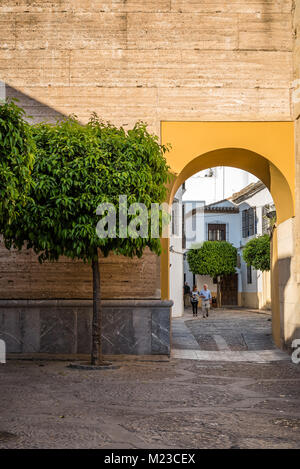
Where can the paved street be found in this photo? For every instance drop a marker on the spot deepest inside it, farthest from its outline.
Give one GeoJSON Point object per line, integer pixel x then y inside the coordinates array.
{"type": "Point", "coordinates": [181, 403]}
{"type": "Point", "coordinates": [226, 335]}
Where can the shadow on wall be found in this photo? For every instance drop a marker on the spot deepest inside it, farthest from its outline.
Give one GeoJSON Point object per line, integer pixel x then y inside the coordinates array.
{"type": "Point", "coordinates": [285, 304]}
{"type": "Point", "coordinates": [284, 276]}
{"type": "Point", "coordinates": [296, 334]}
{"type": "Point", "coordinates": [38, 111]}
{"type": "Point", "coordinates": [289, 302]}
{"type": "Point", "coordinates": [23, 277]}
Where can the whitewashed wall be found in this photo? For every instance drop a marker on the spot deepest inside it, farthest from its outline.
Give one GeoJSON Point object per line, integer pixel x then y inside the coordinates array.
{"type": "Point", "coordinates": [233, 236]}
{"type": "Point", "coordinates": [259, 280]}
{"type": "Point", "coordinates": [218, 184]}
{"type": "Point", "coordinates": [176, 263]}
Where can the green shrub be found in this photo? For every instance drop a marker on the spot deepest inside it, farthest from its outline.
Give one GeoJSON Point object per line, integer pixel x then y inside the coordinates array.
{"type": "Point", "coordinates": [257, 253]}
{"type": "Point", "coordinates": [214, 258]}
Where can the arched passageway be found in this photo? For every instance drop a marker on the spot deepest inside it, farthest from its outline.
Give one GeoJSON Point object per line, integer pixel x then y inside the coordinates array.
{"type": "Point", "coordinates": [265, 149]}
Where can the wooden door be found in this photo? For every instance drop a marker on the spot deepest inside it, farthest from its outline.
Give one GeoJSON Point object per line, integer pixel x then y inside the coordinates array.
{"type": "Point", "coordinates": [229, 290]}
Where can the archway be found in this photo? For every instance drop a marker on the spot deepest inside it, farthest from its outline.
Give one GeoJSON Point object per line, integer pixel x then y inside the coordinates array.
{"type": "Point", "coordinates": [265, 149]}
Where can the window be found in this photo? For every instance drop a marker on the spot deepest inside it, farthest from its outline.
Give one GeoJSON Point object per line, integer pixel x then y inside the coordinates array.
{"type": "Point", "coordinates": [249, 222]}
{"type": "Point", "coordinates": [175, 221]}
{"type": "Point", "coordinates": [194, 219]}
{"type": "Point", "coordinates": [249, 274]}
{"type": "Point", "coordinates": [183, 229]}
{"type": "Point", "coordinates": [216, 232]}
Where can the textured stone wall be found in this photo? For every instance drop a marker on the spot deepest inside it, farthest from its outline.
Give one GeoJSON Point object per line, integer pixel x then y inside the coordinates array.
{"type": "Point", "coordinates": [139, 59]}
{"type": "Point", "coordinates": [296, 116]}
{"type": "Point", "coordinates": [21, 276]}
{"type": "Point", "coordinates": [134, 327]}
{"type": "Point", "coordinates": [152, 60]}
{"type": "Point", "coordinates": [293, 275]}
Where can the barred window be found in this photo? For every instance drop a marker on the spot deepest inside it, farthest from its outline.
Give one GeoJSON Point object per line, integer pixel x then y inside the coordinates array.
{"type": "Point", "coordinates": [216, 232]}
{"type": "Point", "coordinates": [249, 222]}
{"type": "Point", "coordinates": [194, 219]}
{"type": "Point", "coordinates": [183, 228]}
{"type": "Point", "coordinates": [175, 219]}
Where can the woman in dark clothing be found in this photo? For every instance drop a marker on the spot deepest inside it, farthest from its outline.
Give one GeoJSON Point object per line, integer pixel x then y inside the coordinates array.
{"type": "Point", "coordinates": [194, 301]}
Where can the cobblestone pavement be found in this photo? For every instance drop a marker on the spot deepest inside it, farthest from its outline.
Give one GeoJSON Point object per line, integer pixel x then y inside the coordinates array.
{"type": "Point", "coordinates": [227, 335]}
{"type": "Point", "coordinates": [231, 329]}
{"type": "Point", "coordinates": [175, 404]}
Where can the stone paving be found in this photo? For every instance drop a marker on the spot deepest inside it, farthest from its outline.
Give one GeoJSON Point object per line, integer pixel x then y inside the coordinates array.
{"type": "Point", "coordinates": [180, 403]}
{"type": "Point", "coordinates": [227, 335]}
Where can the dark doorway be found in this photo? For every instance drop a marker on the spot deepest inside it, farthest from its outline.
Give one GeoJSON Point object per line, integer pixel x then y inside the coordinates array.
{"type": "Point", "coordinates": [229, 290]}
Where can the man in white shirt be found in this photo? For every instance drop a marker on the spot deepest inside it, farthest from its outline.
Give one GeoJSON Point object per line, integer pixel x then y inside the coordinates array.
{"type": "Point", "coordinates": [205, 295]}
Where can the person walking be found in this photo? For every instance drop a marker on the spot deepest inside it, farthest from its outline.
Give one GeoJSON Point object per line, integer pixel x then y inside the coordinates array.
{"type": "Point", "coordinates": [186, 296]}
{"type": "Point", "coordinates": [205, 295]}
{"type": "Point", "coordinates": [195, 301]}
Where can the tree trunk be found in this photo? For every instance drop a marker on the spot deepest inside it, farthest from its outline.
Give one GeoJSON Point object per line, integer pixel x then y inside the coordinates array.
{"type": "Point", "coordinates": [96, 356]}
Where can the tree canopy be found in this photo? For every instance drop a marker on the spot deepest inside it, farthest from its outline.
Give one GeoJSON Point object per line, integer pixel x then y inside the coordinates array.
{"type": "Point", "coordinates": [16, 159]}
{"type": "Point", "coordinates": [78, 167]}
{"type": "Point", "coordinates": [257, 253]}
{"type": "Point", "coordinates": [213, 258]}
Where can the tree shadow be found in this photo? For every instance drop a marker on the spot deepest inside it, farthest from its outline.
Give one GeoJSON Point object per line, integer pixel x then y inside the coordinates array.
{"type": "Point", "coordinates": [285, 319]}
{"type": "Point", "coordinates": [36, 110]}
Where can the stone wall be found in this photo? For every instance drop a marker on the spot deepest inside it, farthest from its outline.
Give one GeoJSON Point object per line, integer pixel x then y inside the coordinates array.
{"type": "Point", "coordinates": [136, 327]}
{"type": "Point", "coordinates": [139, 59]}
{"type": "Point", "coordinates": [22, 276]}
{"type": "Point", "coordinates": [289, 291]}
{"type": "Point", "coordinates": [293, 328]}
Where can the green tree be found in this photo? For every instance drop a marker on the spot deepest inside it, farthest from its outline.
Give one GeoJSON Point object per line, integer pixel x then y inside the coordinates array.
{"type": "Point", "coordinates": [213, 258]}
{"type": "Point", "coordinates": [78, 167]}
{"type": "Point", "coordinates": [16, 160]}
{"type": "Point", "coordinates": [257, 253]}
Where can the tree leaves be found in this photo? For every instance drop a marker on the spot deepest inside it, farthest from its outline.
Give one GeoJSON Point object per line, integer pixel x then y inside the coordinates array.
{"type": "Point", "coordinates": [17, 150]}
{"type": "Point", "coordinates": [257, 253]}
{"type": "Point", "coordinates": [78, 167]}
{"type": "Point", "coordinates": [213, 258]}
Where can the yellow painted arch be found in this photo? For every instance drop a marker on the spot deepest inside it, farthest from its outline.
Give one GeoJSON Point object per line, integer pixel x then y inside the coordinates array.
{"type": "Point", "coordinates": [265, 149]}
{"type": "Point", "coordinates": [272, 140]}
{"type": "Point", "coordinates": [249, 161]}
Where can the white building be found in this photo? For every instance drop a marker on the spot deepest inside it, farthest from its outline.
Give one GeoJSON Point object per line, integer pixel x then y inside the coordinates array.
{"type": "Point", "coordinates": [176, 255]}
{"type": "Point", "coordinates": [219, 221]}
{"type": "Point", "coordinates": [216, 184]}
{"type": "Point", "coordinates": [236, 219]}
{"type": "Point", "coordinates": [254, 202]}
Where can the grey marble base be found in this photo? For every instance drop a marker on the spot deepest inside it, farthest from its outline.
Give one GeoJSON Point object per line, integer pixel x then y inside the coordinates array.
{"type": "Point", "coordinates": [135, 327]}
